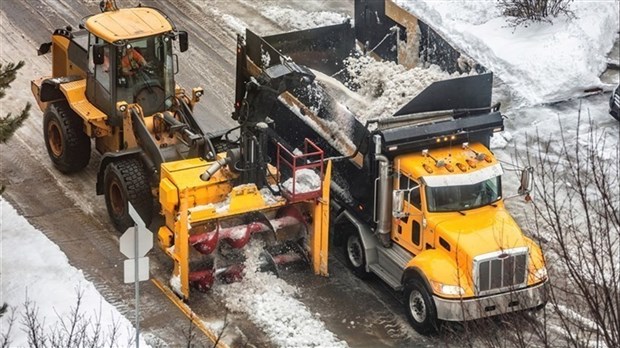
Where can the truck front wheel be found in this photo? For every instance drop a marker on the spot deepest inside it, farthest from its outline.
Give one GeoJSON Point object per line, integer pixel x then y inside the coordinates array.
{"type": "Point", "coordinates": [67, 144]}
{"type": "Point", "coordinates": [354, 254]}
{"type": "Point", "coordinates": [125, 181]}
{"type": "Point", "coordinates": [420, 308]}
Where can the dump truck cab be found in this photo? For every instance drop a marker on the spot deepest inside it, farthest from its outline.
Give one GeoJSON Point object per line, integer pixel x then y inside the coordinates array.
{"type": "Point", "coordinates": [449, 215]}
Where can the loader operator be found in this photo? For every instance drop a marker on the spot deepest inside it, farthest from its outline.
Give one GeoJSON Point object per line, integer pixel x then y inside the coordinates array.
{"type": "Point", "coordinates": [132, 61]}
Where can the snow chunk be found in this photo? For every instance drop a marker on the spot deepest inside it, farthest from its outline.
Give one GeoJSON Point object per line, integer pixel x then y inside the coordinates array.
{"type": "Point", "coordinates": [498, 142]}
{"type": "Point", "coordinates": [306, 180]}
{"type": "Point", "coordinates": [269, 197]}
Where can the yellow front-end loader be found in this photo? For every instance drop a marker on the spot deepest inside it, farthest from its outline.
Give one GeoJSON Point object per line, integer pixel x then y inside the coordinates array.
{"type": "Point", "coordinates": [113, 81]}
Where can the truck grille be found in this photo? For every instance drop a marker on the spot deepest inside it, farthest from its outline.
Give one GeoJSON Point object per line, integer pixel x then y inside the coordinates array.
{"type": "Point", "coordinates": [499, 271]}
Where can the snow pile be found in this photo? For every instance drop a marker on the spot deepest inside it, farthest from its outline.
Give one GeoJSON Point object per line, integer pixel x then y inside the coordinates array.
{"type": "Point", "coordinates": [270, 304]}
{"type": "Point", "coordinates": [34, 268]}
{"type": "Point", "coordinates": [541, 62]}
{"type": "Point", "coordinates": [306, 180]}
{"type": "Point", "coordinates": [300, 19]}
{"type": "Point", "coordinates": [388, 86]}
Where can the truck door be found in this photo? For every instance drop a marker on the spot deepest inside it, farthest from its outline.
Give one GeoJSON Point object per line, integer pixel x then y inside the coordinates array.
{"type": "Point", "coordinates": [407, 230]}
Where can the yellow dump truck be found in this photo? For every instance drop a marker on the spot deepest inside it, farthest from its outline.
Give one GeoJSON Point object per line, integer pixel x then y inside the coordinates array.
{"type": "Point", "coordinates": [417, 199]}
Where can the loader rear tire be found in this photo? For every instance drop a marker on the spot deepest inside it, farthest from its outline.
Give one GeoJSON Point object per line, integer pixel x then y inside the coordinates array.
{"type": "Point", "coordinates": [67, 144]}
{"type": "Point", "coordinates": [126, 181]}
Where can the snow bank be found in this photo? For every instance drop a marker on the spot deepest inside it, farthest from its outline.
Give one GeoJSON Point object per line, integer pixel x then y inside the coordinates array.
{"type": "Point", "coordinates": [541, 62]}
{"type": "Point", "coordinates": [35, 268]}
{"type": "Point", "coordinates": [270, 304]}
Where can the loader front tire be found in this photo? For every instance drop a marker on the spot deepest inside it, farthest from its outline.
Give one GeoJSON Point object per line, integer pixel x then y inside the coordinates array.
{"type": "Point", "coordinates": [126, 181]}
{"type": "Point", "coordinates": [67, 144]}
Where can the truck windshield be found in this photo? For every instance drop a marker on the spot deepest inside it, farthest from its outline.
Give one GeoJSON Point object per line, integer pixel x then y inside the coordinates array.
{"type": "Point", "coordinates": [463, 197]}
{"type": "Point", "coordinates": [145, 73]}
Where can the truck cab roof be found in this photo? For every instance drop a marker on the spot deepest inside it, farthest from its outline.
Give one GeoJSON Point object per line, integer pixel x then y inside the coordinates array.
{"type": "Point", "coordinates": [456, 159]}
{"type": "Point", "coordinates": [128, 23]}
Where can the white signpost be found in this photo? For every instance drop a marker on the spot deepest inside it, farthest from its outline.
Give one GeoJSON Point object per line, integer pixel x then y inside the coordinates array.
{"type": "Point", "coordinates": [135, 243]}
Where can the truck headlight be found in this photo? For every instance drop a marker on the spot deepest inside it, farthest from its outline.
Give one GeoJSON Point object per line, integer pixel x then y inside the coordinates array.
{"type": "Point", "coordinates": [447, 289]}
{"type": "Point", "coordinates": [541, 274]}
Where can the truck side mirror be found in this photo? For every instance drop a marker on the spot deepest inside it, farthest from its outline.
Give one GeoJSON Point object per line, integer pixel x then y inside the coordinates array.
{"type": "Point", "coordinates": [98, 57]}
{"type": "Point", "coordinates": [183, 42]}
{"type": "Point", "coordinates": [527, 181]}
{"type": "Point", "coordinates": [398, 203]}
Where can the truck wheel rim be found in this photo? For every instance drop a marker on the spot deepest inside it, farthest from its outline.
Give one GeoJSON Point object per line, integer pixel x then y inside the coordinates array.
{"type": "Point", "coordinates": [417, 306]}
{"type": "Point", "coordinates": [116, 198]}
{"type": "Point", "coordinates": [354, 251]}
{"type": "Point", "coordinates": [54, 138]}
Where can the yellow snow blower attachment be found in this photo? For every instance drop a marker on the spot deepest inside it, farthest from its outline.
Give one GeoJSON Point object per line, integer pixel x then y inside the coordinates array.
{"type": "Point", "coordinates": [210, 214]}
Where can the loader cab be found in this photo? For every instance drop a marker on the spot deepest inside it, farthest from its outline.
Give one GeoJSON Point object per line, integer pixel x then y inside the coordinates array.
{"type": "Point", "coordinates": [135, 71]}
{"type": "Point", "coordinates": [131, 60]}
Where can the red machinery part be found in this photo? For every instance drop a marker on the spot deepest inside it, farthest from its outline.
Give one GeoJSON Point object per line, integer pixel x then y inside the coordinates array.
{"type": "Point", "coordinates": [238, 236]}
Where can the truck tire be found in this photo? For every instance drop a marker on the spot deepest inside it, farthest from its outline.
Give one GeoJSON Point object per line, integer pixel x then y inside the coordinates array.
{"type": "Point", "coordinates": [126, 181]}
{"type": "Point", "coordinates": [354, 254]}
{"type": "Point", "coordinates": [67, 144]}
{"type": "Point", "coordinates": [420, 308]}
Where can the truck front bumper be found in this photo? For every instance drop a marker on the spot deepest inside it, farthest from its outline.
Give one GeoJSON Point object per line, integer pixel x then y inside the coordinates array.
{"type": "Point", "coordinates": [512, 301]}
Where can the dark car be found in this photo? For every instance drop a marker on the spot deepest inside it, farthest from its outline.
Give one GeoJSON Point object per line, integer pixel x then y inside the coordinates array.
{"type": "Point", "coordinates": [614, 104]}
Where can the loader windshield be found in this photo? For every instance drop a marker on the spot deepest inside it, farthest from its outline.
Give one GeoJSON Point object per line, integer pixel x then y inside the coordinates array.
{"type": "Point", "coordinates": [145, 73]}
{"type": "Point", "coordinates": [463, 197]}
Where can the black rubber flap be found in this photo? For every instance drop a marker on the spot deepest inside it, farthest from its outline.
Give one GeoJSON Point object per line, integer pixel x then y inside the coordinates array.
{"type": "Point", "coordinates": [470, 92]}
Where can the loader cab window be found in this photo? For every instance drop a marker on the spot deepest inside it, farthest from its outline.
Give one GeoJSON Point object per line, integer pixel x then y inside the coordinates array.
{"type": "Point", "coordinates": [145, 73]}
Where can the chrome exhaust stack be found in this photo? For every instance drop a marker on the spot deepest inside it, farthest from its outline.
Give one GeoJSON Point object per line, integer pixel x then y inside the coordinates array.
{"type": "Point", "coordinates": [383, 202]}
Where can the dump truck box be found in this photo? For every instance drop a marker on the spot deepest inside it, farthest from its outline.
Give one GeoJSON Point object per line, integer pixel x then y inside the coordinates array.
{"type": "Point", "coordinates": [459, 108]}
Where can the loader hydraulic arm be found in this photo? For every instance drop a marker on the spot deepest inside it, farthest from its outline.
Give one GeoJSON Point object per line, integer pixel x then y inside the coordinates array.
{"type": "Point", "coordinates": [200, 145]}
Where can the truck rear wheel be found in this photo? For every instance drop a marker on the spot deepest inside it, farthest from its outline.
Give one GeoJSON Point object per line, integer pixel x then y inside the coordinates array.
{"type": "Point", "coordinates": [67, 144]}
{"type": "Point", "coordinates": [354, 254]}
{"type": "Point", "coordinates": [125, 181]}
{"type": "Point", "coordinates": [420, 308]}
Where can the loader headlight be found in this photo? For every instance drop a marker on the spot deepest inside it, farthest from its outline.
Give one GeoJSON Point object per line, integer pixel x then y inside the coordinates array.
{"type": "Point", "coordinates": [447, 289]}
{"type": "Point", "coordinates": [541, 274]}
{"type": "Point", "coordinates": [121, 106]}
{"type": "Point", "coordinates": [198, 92]}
